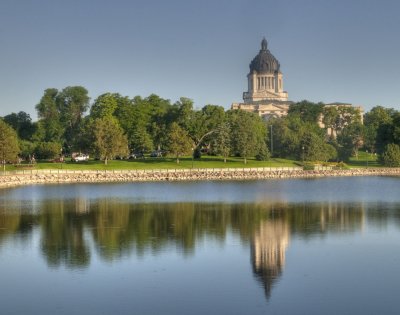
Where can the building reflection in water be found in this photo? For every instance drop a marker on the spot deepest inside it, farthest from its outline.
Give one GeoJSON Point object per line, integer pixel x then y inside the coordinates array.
{"type": "Point", "coordinates": [71, 229]}
{"type": "Point", "coordinates": [271, 238]}
{"type": "Point", "coordinates": [268, 248]}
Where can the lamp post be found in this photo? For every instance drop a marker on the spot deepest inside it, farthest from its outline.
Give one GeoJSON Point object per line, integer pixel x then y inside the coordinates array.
{"type": "Point", "coordinates": [302, 148]}
{"type": "Point", "coordinates": [272, 143]}
{"type": "Point", "coordinates": [61, 158]}
{"type": "Point", "coordinates": [192, 156]}
{"type": "Point", "coordinates": [366, 151]}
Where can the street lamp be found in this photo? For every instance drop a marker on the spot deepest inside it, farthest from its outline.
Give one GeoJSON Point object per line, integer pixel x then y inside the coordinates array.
{"type": "Point", "coordinates": [192, 156]}
{"type": "Point", "coordinates": [302, 148]}
{"type": "Point", "coordinates": [366, 151]}
{"type": "Point", "coordinates": [272, 144]}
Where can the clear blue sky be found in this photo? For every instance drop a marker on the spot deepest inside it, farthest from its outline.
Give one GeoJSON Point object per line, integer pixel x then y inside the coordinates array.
{"type": "Point", "coordinates": [347, 51]}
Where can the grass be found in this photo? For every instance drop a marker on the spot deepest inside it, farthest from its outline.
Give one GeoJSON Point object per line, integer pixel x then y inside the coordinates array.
{"type": "Point", "coordinates": [159, 163]}
{"type": "Point", "coordinates": [186, 162]}
{"type": "Point", "coordinates": [364, 159]}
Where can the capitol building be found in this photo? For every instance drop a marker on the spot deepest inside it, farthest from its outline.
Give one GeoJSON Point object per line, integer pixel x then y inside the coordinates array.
{"type": "Point", "coordinates": [265, 94]}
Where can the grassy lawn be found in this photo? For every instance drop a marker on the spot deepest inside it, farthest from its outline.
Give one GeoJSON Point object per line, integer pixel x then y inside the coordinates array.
{"type": "Point", "coordinates": [186, 162]}
{"type": "Point", "coordinates": [363, 160]}
{"type": "Point", "coordinates": [159, 163]}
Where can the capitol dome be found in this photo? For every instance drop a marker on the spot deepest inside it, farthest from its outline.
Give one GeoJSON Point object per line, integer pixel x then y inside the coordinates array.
{"type": "Point", "coordinates": [264, 62]}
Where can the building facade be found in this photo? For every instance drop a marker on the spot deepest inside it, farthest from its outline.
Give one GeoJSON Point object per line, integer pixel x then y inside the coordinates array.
{"type": "Point", "coordinates": [265, 94]}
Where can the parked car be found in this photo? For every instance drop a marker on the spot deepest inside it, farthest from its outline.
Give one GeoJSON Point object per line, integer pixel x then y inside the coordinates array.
{"type": "Point", "coordinates": [80, 157]}
{"type": "Point", "coordinates": [136, 155]}
{"type": "Point", "coordinates": [157, 153]}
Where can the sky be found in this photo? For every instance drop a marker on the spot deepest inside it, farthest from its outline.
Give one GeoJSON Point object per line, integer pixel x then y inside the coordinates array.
{"type": "Point", "coordinates": [329, 51]}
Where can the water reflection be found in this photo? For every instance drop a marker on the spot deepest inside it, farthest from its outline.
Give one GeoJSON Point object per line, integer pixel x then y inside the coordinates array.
{"type": "Point", "coordinates": [73, 230]}
{"type": "Point", "coordinates": [268, 249]}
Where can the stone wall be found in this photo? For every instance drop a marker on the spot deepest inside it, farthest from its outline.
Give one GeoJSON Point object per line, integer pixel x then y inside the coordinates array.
{"type": "Point", "coordinates": [61, 176]}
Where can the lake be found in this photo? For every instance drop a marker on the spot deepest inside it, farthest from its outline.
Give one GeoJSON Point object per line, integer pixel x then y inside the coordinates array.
{"type": "Point", "coordinates": [295, 246]}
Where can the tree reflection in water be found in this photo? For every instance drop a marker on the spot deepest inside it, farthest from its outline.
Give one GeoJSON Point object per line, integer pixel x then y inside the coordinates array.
{"type": "Point", "coordinates": [69, 228]}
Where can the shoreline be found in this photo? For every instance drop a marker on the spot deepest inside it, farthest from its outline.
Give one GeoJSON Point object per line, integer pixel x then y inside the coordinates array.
{"type": "Point", "coordinates": [22, 178]}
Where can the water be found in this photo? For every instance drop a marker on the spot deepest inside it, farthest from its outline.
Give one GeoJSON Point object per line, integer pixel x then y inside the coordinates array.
{"type": "Point", "coordinates": [321, 246]}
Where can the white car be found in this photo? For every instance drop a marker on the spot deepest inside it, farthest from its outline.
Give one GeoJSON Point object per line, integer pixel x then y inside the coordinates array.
{"type": "Point", "coordinates": [80, 158]}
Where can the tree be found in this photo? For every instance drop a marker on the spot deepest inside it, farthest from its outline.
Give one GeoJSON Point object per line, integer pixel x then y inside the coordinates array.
{"type": "Point", "coordinates": [336, 117]}
{"type": "Point", "coordinates": [48, 150]}
{"type": "Point", "coordinates": [22, 124]}
{"type": "Point", "coordinates": [49, 127]}
{"type": "Point", "coordinates": [308, 111]}
{"type": "Point", "coordinates": [222, 140]}
{"type": "Point", "coordinates": [204, 124]}
{"type": "Point", "coordinates": [104, 106]}
{"type": "Point", "coordinates": [375, 121]}
{"type": "Point", "coordinates": [72, 102]}
{"type": "Point", "coordinates": [141, 140]}
{"type": "Point", "coordinates": [350, 140]}
{"type": "Point", "coordinates": [248, 133]}
{"type": "Point", "coordinates": [109, 139]}
{"type": "Point", "coordinates": [391, 156]}
{"type": "Point", "coordinates": [9, 147]}
{"type": "Point", "coordinates": [291, 134]}
{"type": "Point", "coordinates": [27, 148]}
{"type": "Point", "coordinates": [179, 141]}
{"type": "Point", "coordinates": [314, 148]}
{"type": "Point", "coordinates": [330, 119]}
{"type": "Point", "coordinates": [184, 113]}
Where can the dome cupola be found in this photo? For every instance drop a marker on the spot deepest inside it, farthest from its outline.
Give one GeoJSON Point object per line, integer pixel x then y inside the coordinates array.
{"type": "Point", "coordinates": [264, 62]}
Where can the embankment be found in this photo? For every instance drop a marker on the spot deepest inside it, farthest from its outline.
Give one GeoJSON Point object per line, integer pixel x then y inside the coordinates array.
{"type": "Point", "coordinates": [32, 177]}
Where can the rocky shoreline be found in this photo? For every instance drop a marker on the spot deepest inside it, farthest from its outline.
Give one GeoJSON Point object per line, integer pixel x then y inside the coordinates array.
{"type": "Point", "coordinates": [18, 178]}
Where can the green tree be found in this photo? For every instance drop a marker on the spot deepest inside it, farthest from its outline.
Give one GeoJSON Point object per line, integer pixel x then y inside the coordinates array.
{"type": "Point", "coordinates": [350, 140]}
{"type": "Point", "coordinates": [22, 124]}
{"type": "Point", "coordinates": [47, 150]}
{"type": "Point", "coordinates": [330, 119]}
{"type": "Point", "coordinates": [221, 143]}
{"type": "Point", "coordinates": [314, 148]}
{"type": "Point", "coordinates": [124, 114]}
{"type": "Point", "coordinates": [27, 148]}
{"type": "Point", "coordinates": [378, 117]}
{"type": "Point", "coordinates": [109, 139]}
{"type": "Point", "coordinates": [104, 106]}
{"type": "Point", "coordinates": [291, 134]}
{"type": "Point", "coordinates": [9, 147]}
{"type": "Point", "coordinates": [308, 111]}
{"type": "Point", "coordinates": [141, 140]}
{"type": "Point", "coordinates": [179, 141]}
{"type": "Point", "coordinates": [248, 133]}
{"type": "Point", "coordinates": [49, 127]}
{"type": "Point", "coordinates": [391, 155]}
{"type": "Point", "coordinates": [72, 102]}
{"type": "Point", "coordinates": [204, 124]}
{"type": "Point", "coordinates": [184, 113]}
{"type": "Point", "coordinates": [336, 117]}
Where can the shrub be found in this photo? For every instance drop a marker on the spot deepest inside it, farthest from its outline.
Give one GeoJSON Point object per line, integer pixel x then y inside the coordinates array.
{"type": "Point", "coordinates": [262, 154]}
{"type": "Point", "coordinates": [47, 150]}
{"type": "Point", "coordinates": [391, 155]}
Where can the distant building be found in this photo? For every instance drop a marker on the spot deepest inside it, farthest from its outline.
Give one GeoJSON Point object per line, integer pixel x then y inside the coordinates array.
{"type": "Point", "coordinates": [265, 95]}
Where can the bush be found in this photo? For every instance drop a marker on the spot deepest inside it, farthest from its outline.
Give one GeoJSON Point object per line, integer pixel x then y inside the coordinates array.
{"type": "Point", "coordinates": [263, 154]}
{"type": "Point", "coordinates": [47, 150]}
{"type": "Point", "coordinates": [308, 166]}
{"type": "Point", "coordinates": [342, 166]}
{"type": "Point", "coordinates": [197, 153]}
{"type": "Point", "coordinates": [391, 155]}
{"type": "Point", "coordinates": [27, 148]}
